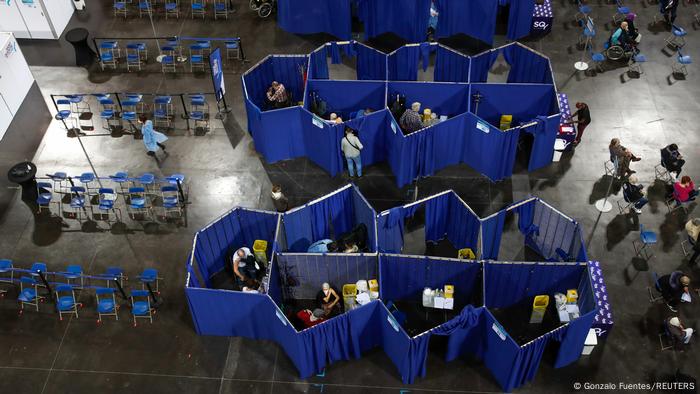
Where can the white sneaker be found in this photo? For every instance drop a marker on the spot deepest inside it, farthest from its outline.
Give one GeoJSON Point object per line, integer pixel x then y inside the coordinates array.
{"type": "Point", "coordinates": [639, 211]}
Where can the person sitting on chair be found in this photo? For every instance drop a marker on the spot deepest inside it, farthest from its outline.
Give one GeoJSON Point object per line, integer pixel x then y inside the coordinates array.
{"type": "Point", "coordinates": [673, 287]}
{"type": "Point", "coordinates": [693, 230]}
{"type": "Point", "coordinates": [323, 246]}
{"type": "Point", "coordinates": [623, 156]}
{"type": "Point", "coordinates": [632, 31]}
{"type": "Point", "coordinates": [632, 192]}
{"type": "Point", "coordinates": [310, 318]}
{"type": "Point", "coordinates": [411, 120]}
{"type": "Point", "coordinates": [277, 95]}
{"type": "Point", "coordinates": [328, 300]}
{"type": "Point", "coordinates": [679, 333]}
{"type": "Point", "coordinates": [351, 247]}
{"type": "Point", "coordinates": [672, 160]}
{"type": "Point", "coordinates": [245, 267]}
{"type": "Point", "coordinates": [684, 190]}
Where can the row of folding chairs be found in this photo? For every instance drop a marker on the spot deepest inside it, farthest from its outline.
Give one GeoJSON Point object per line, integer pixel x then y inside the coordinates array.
{"type": "Point", "coordinates": [172, 54]}
{"type": "Point", "coordinates": [138, 194]}
{"type": "Point", "coordinates": [172, 8]}
{"type": "Point", "coordinates": [60, 287]}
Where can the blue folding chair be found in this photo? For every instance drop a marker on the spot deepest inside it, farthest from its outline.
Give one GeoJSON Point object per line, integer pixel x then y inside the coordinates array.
{"type": "Point", "coordinates": [220, 9]}
{"type": "Point", "coordinates": [677, 38]}
{"type": "Point", "coordinates": [65, 114]}
{"type": "Point", "coordinates": [87, 179]}
{"type": "Point", "coordinates": [149, 277]}
{"type": "Point", "coordinates": [141, 305]}
{"type": "Point", "coordinates": [60, 182]}
{"type": "Point", "coordinates": [114, 274]}
{"type": "Point", "coordinates": [65, 301]}
{"type": "Point", "coordinates": [138, 203]}
{"type": "Point", "coordinates": [635, 64]}
{"type": "Point", "coordinates": [74, 272]}
{"type": "Point", "coordinates": [78, 103]}
{"type": "Point", "coordinates": [36, 268]}
{"type": "Point", "coordinates": [178, 180]}
{"type": "Point", "coordinates": [29, 293]}
{"type": "Point", "coordinates": [120, 8]}
{"type": "Point", "coordinates": [196, 59]}
{"type": "Point", "coordinates": [109, 54]}
{"type": "Point", "coordinates": [147, 180]}
{"type": "Point", "coordinates": [199, 8]}
{"type": "Point", "coordinates": [146, 8]}
{"type": "Point", "coordinates": [7, 274]}
{"type": "Point", "coordinates": [171, 200]}
{"type": "Point", "coordinates": [680, 67]}
{"type": "Point", "coordinates": [106, 200]}
{"type": "Point", "coordinates": [108, 114]}
{"type": "Point", "coordinates": [45, 197]}
{"type": "Point", "coordinates": [621, 12]}
{"type": "Point", "coordinates": [646, 238]}
{"type": "Point", "coordinates": [233, 50]}
{"type": "Point", "coordinates": [583, 12]}
{"type": "Point", "coordinates": [77, 201]}
{"type": "Point", "coordinates": [199, 110]}
{"type": "Point", "coordinates": [106, 303]}
{"type": "Point", "coordinates": [163, 111]}
{"type": "Point", "coordinates": [172, 8]}
{"type": "Point", "coordinates": [657, 286]}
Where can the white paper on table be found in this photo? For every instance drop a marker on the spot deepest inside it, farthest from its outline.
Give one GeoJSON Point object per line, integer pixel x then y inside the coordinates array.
{"type": "Point", "coordinates": [686, 297]}
{"type": "Point", "coordinates": [439, 302]}
{"type": "Point", "coordinates": [362, 298]}
{"type": "Point", "coordinates": [449, 303]}
{"type": "Point", "coordinates": [563, 316]}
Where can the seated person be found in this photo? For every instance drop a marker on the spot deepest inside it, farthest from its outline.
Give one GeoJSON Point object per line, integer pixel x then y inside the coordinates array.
{"type": "Point", "coordinates": [310, 318]}
{"type": "Point", "coordinates": [411, 120]}
{"type": "Point", "coordinates": [684, 190]}
{"type": "Point", "coordinates": [632, 191]}
{"type": "Point", "coordinates": [357, 236]}
{"type": "Point", "coordinates": [692, 227]}
{"type": "Point", "coordinates": [361, 113]}
{"type": "Point", "coordinates": [672, 160]}
{"type": "Point", "coordinates": [328, 300]}
{"type": "Point", "coordinates": [334, 118]}
{"type": "Point", "coordinates": [632, 30]}
{"type": "Point", "coordinates": [277, 95]}
{"type": "Point", "coordinates": [679, 333]}
{"type": "Point", "coordinates": [673, 287]}
{"type": "Point", "coordinates": [323, 246]}
{"type": "Point", "coordinates": [350, 247]}
{"type": "Point", "coordinates": [245, 267]}
{"type": "Point", "coordinates": [621, 37]}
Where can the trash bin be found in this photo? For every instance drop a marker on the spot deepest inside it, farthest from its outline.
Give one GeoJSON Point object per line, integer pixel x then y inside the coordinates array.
{"type": "Point", "coordinates": [260, 251]}
{"type": "Point", "coordinates": [24, 175]}
{"type": "Point", "coordinates": [84, 55]}
{"type": "Point", "coordinates": [539, 307]}
{"type": "Point", "coordinates": [560, 145]}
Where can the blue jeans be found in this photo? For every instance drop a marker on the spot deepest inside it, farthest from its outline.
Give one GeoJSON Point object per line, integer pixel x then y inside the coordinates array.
{"type": "Point", "coordinates": [358, 165]}
{"type": "Point", "coordinates": [641, 202]}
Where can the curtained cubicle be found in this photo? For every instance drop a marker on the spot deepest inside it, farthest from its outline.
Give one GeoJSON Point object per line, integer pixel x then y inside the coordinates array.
{"type": "Point", "coordinates": [480, 286]}
{"type": "Point", "coordinates": [470, 134]}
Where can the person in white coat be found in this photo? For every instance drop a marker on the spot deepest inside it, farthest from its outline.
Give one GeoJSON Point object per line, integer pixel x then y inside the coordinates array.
{"type": "Point", "coordinates": [352, 147]}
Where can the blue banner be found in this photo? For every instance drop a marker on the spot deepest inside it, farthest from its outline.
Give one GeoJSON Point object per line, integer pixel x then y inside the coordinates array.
{"type": "Point", "coordinates": [217, 74]}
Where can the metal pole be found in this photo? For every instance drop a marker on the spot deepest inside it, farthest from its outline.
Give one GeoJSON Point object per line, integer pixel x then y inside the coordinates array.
{"type": "Point", "coordinates": [94, 171]}
{"type": "Point", "coordinates": [603, 205]}
{"type": "Point", "coordinates": [184, 109]}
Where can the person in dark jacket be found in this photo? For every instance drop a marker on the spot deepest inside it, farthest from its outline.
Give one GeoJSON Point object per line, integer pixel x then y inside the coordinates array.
{"type": "Point", "coordinates": [673, 286]}
{"type": "Point", "coordinates": [632, 192]}
{"type": "Point", "coordinates": [583, 119]}
{"type": "Point", "coordinates": [679, 333]}
{"type": "Point", "coordinates": [279, 200]}
{"type": "Point", "coordinates": [632, 31]}
{"type": "Point", "coordinates": [670, 9]}
{"type": "Point", "coordinates": [672, 160]}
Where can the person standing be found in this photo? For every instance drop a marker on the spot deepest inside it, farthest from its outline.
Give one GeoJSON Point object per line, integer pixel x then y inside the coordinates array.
{"type": "Point", "coordinates": [583, 119]}
{"type": "Point", "coordinates": [352, 147]}
{"type": "Point", "coordinates": [279, 200]}
{"type": "Point", "coordinates": [153, 140]}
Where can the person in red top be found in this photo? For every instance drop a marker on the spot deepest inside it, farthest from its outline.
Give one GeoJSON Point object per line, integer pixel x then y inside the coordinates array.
{"type": "Point", "coordinates": [684, 190]}
{"type": "Point", "coordinates": [309, 318]}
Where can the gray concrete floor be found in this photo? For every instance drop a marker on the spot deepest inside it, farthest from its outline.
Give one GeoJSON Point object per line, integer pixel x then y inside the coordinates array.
{"type": "Point", "coordinates": [41, 354]}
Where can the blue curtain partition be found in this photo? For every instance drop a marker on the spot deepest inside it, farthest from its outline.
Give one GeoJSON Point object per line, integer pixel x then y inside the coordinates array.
{"type": "Point", "coordinates": [484, 143]}
{"type": "Point", "coordinates": [328, 217]}
{"type": "Point", "coordinates": [545, 133]}
{"type": "Point", "coordinates": [524, 102]}
{"type": "Point", "coordinates": [347, 97]}
{"type": "Point", "coordinates": [311, 16]}
{"type": "Point", "coordinates": [370, 64]}
{"type": "Point", "coordinates": [318, 63]}
{"type": "Point", "coordinates": [372, 132]}
{"type": "Point", "coordinates": [557, 237]}
{"type": "Point", "coordinates": [491, 231]}
{"type": "Point", "coordinates": [390, 227]}
{"type": "Point", "coordinates": [448, 99]}
{"type": "Point", "coordinates": [519, 18]}
{"type": "Point", "coordinates": [475, 18]}
{"type": "Point", "coordinates": [403, 278]}
{"type": "Point", "coordinates": [481, 64]}
{"type": "Point", "coordinates": [451, 66]}
{"type": "Point", "coordinates": [403, 63]}
{"type": "Point", "coordinates": [526, 66]}
{"type": "Point", "coordinates": [286, 69]}
{"type": "Point", "coordinates": [408, 19]}
{"type": "Point", "coordinates": [237, 228]}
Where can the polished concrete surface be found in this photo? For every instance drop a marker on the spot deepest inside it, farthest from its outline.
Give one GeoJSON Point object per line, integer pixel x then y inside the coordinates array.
{"type": "Point", "coordinates": [44, 355]}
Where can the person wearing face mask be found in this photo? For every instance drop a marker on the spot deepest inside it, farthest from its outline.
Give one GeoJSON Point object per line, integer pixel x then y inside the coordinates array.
{"type": "Point", "coordinates": [328, 300]}
{"type": "Point", "coordinates": [279, 200]}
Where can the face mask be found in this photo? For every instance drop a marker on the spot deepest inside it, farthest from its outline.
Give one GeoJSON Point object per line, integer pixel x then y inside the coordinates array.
{"type": "Point", "coordinates": [276, 195]}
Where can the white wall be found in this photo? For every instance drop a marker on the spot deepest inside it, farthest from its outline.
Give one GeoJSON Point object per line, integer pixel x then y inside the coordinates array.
{"type": "Point", "coordinates": [41, 19]}
{"type": "Point", "coordinates": [15, 80]}
{"type": "Point", "coordinates": [60, 12]}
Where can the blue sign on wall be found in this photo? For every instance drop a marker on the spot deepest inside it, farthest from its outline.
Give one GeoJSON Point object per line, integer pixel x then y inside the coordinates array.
{"type": "Point", "coordinates": [217, 74]}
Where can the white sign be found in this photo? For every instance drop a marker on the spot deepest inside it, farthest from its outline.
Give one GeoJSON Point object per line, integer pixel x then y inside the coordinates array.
{"type": "Point", "coordinates": [499, 331]}
{"type": "Point", "coordinates": [318, 122]}
{"type": "Point", "coordinates": [483, 127]}
{"type": "Point", "coordinates": [393, 127]}
{"type": "Point", "coordinates": [393, 323]}
{"type": "Point", "coordinates": [281, 317]}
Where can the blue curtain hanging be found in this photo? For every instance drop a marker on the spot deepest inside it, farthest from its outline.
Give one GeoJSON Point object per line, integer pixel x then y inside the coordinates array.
{"type": "Point", "coordinates": [425, 50]}
{"type": "Point", "coordinates": [371, 64]}
{"type": "Point", "coordinates": [347, 97]}
{"type": "Point", "coordinates": [475, 18]}
{"type": "Point", "coordinates": [520, 18]}
{"type": "Point", "coordinates": [407, 19]}
{"type": "Point", "coordinates": [390, 228]}
{"type": "Point", "coordinates": [545, 133]}
{"type": "Point", "coordinates": [372, 132]}
{"type": "Point", "coordinates": [319, 64]}
{"type": "Point", "coordinates": [489, 150]}
{"type": "Point", "coordinates": [481, 64]}
{"type": "Point", "coordinates": [403, 64]}
{"type": "Point", "coordinates": [526, 66]}
{"type": "Point", "coordinates": [335, 53]}
{"type": "Point", "coordinates": [312, 16]}
{"type": "Point", "coordinates": [526, 214]}
{"type": "Point", "coordinates": [527, 362]}
{"type": "Point", "coordinates": [451, 66]}
{"type": "Point", "coordinates": [321, 142]}
{"type": "Point", "coordinates": [491, 231]}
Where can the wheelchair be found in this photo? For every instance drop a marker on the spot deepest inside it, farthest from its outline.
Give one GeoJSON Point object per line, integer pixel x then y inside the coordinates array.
{"type": "Point", "coordinates": [617, 52]}
{"type": "Point", "coordinates": [264, 8]}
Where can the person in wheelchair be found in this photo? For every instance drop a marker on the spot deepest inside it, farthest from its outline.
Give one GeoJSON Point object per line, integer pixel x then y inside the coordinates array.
{"type": "Point", "coordinates": [620, 44]}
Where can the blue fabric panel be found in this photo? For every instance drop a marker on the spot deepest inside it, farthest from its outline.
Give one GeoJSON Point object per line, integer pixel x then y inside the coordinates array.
{"type": "Point", "coordinates": [463, 226]}
{"type": "Point", "coordinates": [390, 228]}
{"type": "Point", "coordinates": [496, 353]}
{"type": "Point", "coordinates": [364, 213]}
{"type": "Point", "coordinates": [257, 80]}
{"type": "Point", "coordinates": [403, 64]}
{"type": "Point", "coordinates": [436, 217]}
{"type": "Point", "coordinates": [491, 232]}
{"type": "Point", "coordinates": [202, 254]}
{"type": "Point", "coordinates": [319, 64]}
{"type": "Point", "coordinates": [274, 290]}
{"type": "Point", "coordinates": [322, 144]}
{"type": "Point", "coordinates": [574, 339]}
{"type": "Point", "coordinates": [481, 64]}
{"type": "Point", "coordinates": [278, 138]}
{"type": "Point", "coordinates": [417, 357]}
{"type": "Point", "coordinates": [527, 362]}
{"type": "Point", "coordinates": [444, 145]}
{"type": "Point", "coordinates": [451, 66]}
{"type": "Point", "coordinates": [425, 50]}
{"type": "Point", "coordinates": [526, 66]}
{"type": "Point", "coordinates": [526, 213]}
{"type": "Point", "coordinates": [305, 273]}
{"type": "Point", "coordinates": [327, 343]}
{"type": "Point", "coordinates": [344, 97]}
{"type": "Point", "coordinates": [194, 282]}
{"type": "Point", "coordinates": [581, 255]}
{"type": "Point", "coordinates": [524, 102]}
{"type": "Point", "coordinates": [312, 16]}
{"type": "Point", "coordinates": [449, 99]}
{"type": "Point", "coordinates": [404, 153]}
{"type": "Point", "coordinates": [287, 70]}
{"type": "Point", "coordinates": [493, 153]}
{"type": "Point", "coordinates": [371, 64]}
{"type": "Point", "coordinates": [364, 327]}
{"type": "Point", "coordinates": [335, 53]}
{"type": "Point", "coordinates": [475, 18]}
{"type": "Point", "coordinates": [509, 284]}
{"type": "Point", "coordinates": [545, 133]}
{"type": "Point", "coordinates": [395, 343]}
{"type": "Point", "coordinates": [403, 278]}
{"type": "Point", "coordinates": [255, 226]}
{"type": "Point", "coordinates": [372, 130]}
{"type": "Point", "coordinates": [555, 232]}
{"type": "Point", "coordinates": [253, 115]}
{"type": "Point", "coordinates": [520, 18]}
{"type": "Point", "coordinates": [408, 19]}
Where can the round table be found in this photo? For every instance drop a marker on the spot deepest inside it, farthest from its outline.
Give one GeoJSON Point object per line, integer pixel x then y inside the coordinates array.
{"type": "Point", "coordinates": [24, 174]}
{"type": "Point", "coordinates": [84, 55]}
